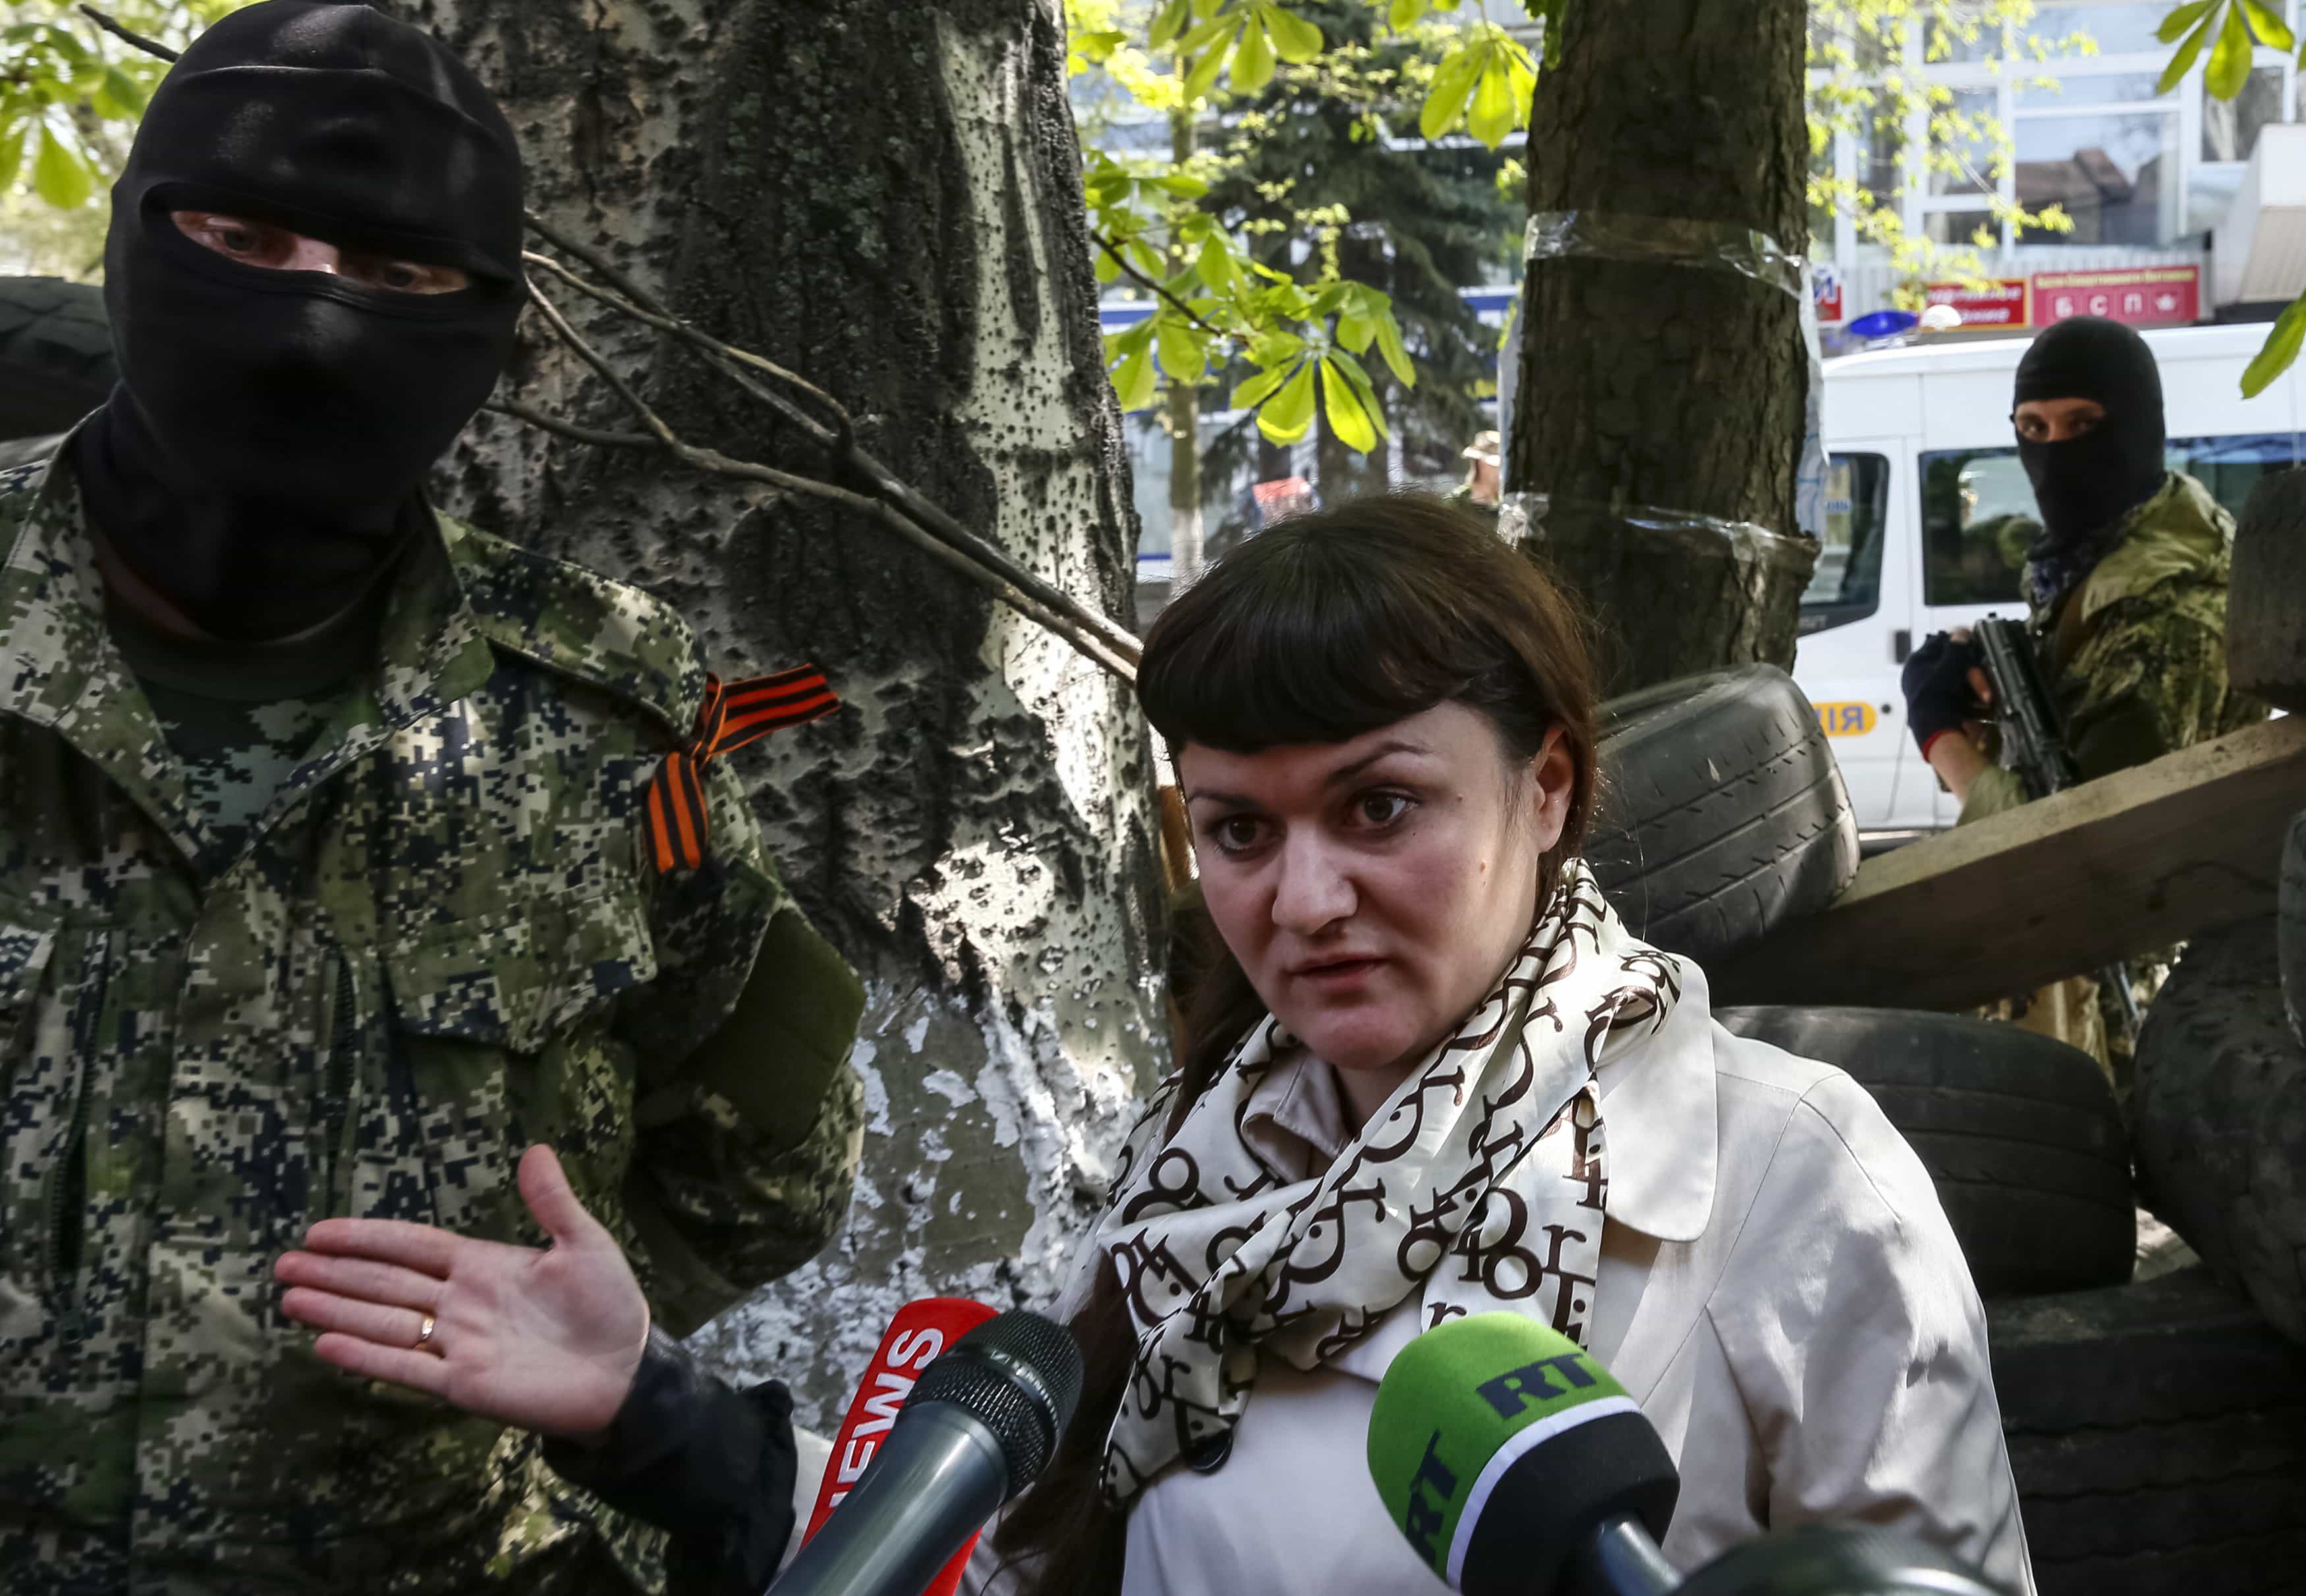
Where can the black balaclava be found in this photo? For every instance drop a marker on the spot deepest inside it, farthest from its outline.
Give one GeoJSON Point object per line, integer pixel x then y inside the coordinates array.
{"type": "Point", "coordinates": [261, 462]}
{"type": "Point", "coordinates": [2084, 486]}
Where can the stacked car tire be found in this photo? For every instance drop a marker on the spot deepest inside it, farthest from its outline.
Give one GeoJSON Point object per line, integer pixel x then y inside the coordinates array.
{"type": "Point", "coordinates": [56, 361]}
{"type": "Point", "coordinates": [2157, 1431]}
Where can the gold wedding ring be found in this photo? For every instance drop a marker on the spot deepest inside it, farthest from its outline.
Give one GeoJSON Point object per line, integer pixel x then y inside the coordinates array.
{"type": "Point", "coordinates": [423, 1332]}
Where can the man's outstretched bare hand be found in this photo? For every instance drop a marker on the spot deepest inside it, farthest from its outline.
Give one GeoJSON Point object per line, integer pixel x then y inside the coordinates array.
{"type": "Point", "coordinates": [546, 1340]}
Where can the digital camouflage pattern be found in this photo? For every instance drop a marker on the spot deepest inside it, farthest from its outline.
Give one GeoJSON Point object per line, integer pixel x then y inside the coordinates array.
{"type": "Point", "coordinates": [437, 944]}
{"type": "Point", "coordinates": [2136, 662]}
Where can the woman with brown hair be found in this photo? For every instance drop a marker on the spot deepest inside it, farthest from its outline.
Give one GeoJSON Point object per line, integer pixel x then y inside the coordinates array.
{"type": "Point", "coordinates": [1430, 1074]}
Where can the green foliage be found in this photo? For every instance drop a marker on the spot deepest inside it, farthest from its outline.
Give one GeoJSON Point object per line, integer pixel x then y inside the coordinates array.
{"type": "Point", "coordinates": [2238, 26]}
{"type": "Point", "coordinates": [1222, 296]}
{"type": "Point", "coordinates": [1485, 83]}
{"type": "Point", "coordinates": [70, 92]}
{"type": "Point", "coordinates": [1864, 83]}
{"type": "Point", "coordinates": [1251, 35]}
{"type": "Point", "coordinates": [1315, 170]}
{"type": "Point", "coordinates": [2279, 352]}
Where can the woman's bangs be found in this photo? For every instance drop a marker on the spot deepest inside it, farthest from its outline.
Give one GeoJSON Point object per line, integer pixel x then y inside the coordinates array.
{"type": "Point", "coordinates": [1308, 655]}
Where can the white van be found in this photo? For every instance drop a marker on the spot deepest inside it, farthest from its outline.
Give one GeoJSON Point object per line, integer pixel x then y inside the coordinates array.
{"type": "Point", "coordinates": [1924, 468]}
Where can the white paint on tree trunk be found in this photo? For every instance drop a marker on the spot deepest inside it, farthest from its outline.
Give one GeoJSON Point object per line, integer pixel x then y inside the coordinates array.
{"type": "Point", "coordinates": [994, 1096]}
{"type": "Point", "coordinates": [1035, 1090]}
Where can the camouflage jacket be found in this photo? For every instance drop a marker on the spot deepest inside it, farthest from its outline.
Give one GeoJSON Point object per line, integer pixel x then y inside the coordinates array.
{"type": "Point", "coordinates": [2136, 655]}
{"type": "Point", "coordinates": [441, 942]}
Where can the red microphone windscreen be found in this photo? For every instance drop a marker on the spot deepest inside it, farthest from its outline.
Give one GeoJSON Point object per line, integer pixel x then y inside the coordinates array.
{"type": "Point", "coordinates": [920, 1332]}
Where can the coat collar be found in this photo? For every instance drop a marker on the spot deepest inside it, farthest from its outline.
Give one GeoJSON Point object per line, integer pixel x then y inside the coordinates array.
{"type": "Point", "coordinates": [1657, 1112]}
{"type": "Point", "coordinates": [1295, 1119]}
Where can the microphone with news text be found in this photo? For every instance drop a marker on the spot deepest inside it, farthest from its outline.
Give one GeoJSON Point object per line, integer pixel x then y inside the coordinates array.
{"type": "Point", "coordinates": [978, 1426]}
{"type": "Point", "coordinates": [918, 1335]}
{"type": "Point", "coordinates": [1517, 1465]}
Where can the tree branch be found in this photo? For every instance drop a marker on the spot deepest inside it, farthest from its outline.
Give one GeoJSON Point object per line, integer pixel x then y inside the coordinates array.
{"type": "Point", "coordinates": [714, 461]}
{"type": "Point", "coordinates": [553, 423]}
{"type": "Point", "coordinates": [909, 501]}
{"type": "Point", "coordinates": [1135, 276]}
{"type": "Point", "coordinates": [644, 305]}
{"type": "Point", "coordinates": [711, 347]}
{"type": "Point", "coordinates": [150, 46]}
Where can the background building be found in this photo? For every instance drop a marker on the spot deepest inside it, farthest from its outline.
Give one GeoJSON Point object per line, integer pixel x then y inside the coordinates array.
{"type": "Point", "coordinates": [2150, 179]}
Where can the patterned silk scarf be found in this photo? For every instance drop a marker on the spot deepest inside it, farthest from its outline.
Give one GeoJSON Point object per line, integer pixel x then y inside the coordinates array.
{"type": "Point", "coordinates": [1479, 1183]}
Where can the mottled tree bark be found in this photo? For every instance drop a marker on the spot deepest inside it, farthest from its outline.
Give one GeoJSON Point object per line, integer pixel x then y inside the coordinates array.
{"type": "Point", "coordinates": [888, 199]}
{"type": "Point", "coordinates": [1648, 383]}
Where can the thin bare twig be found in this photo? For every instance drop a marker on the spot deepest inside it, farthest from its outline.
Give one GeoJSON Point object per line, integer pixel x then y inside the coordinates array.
{"type": "Point", "coordinates": [889, 486]}
{"type": "Point", "coordinates": [642, 301]}
{"type": "Point", "coordinates": [112, 25]}
{"type": "Point", "coordinates": [553, 423]}
{"type": "Point", "coordinates": [1184, 310]}
{"type": "Point", "coordinates": [713, 460]}
{"type": "Point", "coordinates": [712, 348]}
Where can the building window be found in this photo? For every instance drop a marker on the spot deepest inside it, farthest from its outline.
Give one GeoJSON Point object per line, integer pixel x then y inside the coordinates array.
{"type": "Point", "coordinates": [2229, 126]}
{"type": "Point", "coordinates": [2115, 27]}
{"type": "Point", "coordinates": [1974, 170]}
{"type": "Point", "coordinates": [2115, 172]}
{"type": "Point", "coordinates": [1959, 228]}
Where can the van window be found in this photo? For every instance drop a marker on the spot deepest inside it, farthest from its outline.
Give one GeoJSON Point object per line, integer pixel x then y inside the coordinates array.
{"type": "Point", "coordinates": [1978, 508]}
{"type": "Point", "coordinates": [1846, 584]}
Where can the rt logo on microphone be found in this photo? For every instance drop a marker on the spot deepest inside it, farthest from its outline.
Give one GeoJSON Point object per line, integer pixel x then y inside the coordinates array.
{"type": "Point", "coordinates": [1533, 1383]}
{"type": "Point", "coordinates": [1432, 1490]}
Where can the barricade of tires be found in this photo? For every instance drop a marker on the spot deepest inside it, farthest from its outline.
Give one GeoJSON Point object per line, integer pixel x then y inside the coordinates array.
{"type": "Point", "coordinates": [2158, 1432]}
{"type": "Point", "coordinates": [57, 362]}
{"type": "Point", "coordinates": [2220, 1106]}
{"type": "Point", "coordinates": [1721, 813]}
{"type": "Point", "coordinates": [2157, 1429]}
{"type": "Point", "coordinates": [2018, 1132]}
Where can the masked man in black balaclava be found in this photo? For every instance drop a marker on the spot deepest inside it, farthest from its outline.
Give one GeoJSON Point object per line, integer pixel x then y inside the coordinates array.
{"type": "Point", "coordinates": [2125, 590]}
{"type": "Point", "coordinates": [347, 851]}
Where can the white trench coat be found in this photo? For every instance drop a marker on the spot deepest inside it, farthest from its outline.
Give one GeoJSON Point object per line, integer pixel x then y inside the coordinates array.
{"type": "Point", "coordinates": [1778, 1289]}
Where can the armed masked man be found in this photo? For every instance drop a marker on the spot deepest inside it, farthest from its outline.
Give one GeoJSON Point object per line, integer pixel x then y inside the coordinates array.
{"type": "Point", "coordinates": [327, 877]}
{"type": "Point", "coordinates": [2125, 587]}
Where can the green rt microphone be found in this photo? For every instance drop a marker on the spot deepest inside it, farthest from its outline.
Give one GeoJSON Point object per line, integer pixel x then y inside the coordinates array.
{"type": "Point", "coordinates": [1505, 1455]}
{"type": "Point", "coordinates": [1516, 1466]}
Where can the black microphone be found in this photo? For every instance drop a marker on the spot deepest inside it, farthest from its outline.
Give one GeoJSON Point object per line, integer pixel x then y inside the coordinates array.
{"type": "Point", "coordinates": [978, 1428]}
{"type": "Point", "coordinates": [1516, 1465]}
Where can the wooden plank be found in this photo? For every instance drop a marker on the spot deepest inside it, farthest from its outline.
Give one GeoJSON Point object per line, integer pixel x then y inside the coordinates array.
{"type": "Point", "coordinates": [2118, 867]}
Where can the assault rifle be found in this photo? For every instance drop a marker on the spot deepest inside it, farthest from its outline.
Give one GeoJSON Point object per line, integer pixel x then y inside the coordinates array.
{"type": "Point", "coordinates": [2034, 741]}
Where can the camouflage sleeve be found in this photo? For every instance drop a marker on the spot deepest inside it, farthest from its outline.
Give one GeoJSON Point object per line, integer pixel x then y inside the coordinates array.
{"type": "Point", "coordinates": [1995, 791]}
{"type": "Point", "coordinates": [2151, 679]}
{"type": "Point", "coordinates": [748, 1120]}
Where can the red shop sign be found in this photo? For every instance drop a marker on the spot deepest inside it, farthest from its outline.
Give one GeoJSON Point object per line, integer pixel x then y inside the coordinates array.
{"type": "Point", "coordinates": [2140, 295]}
{"type": "Point", "coordinates": [2002, 303]}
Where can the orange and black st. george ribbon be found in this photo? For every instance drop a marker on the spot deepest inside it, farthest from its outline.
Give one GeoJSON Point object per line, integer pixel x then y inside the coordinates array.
{"type": "Point", "coordinates": [735, 713]}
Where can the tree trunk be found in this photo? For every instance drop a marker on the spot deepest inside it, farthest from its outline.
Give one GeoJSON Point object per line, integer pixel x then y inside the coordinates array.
{"type": "Point", "coordinates": [887, 200]}
{"type": "Point", "coordinates": [1659, 392]}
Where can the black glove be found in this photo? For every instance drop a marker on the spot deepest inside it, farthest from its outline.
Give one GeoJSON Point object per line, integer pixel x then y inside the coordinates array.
{"type": "Point", "coordinates": [1939, 696]}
